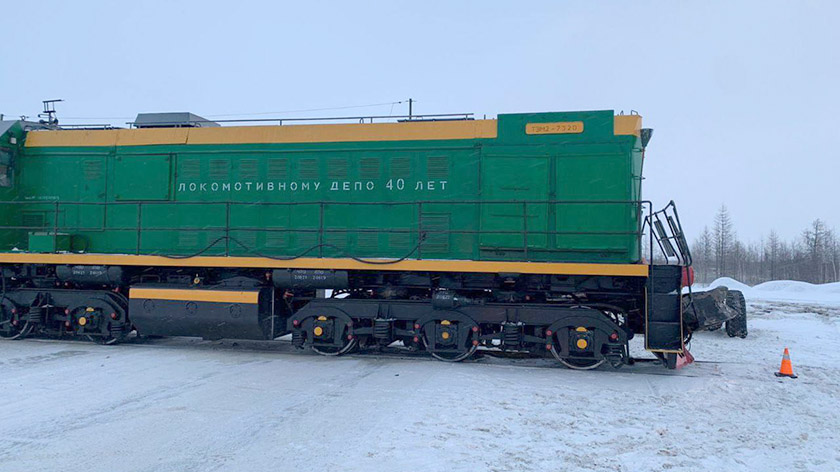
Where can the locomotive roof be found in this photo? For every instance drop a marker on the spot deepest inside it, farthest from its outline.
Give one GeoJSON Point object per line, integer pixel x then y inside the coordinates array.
{"type": "Point", "coordinates": [321, 133]}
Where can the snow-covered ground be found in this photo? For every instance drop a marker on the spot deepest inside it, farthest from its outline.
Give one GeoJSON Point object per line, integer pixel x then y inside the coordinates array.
{"type": "Point", "coordinates": [191, 405]}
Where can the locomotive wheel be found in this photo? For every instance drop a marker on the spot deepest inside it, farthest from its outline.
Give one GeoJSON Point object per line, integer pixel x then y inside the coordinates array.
{"type": "Point", "coordinates": [341, 341]}
{"type": "Point", "coordinates": [90, 321]}
{"type": "Point", "coordinates": [576, 363]}
{"type": "Point", "coordinates": [450, 356]}
{"type": "Point", "coordinates": [104, 340]}
{"type": "Point", "coordinates": [580, 364]}
{"type": "Point", "coordinates": [9, 329]}
{"type": "Point", "coordinates": [348, 346]}
{"type": "Point", "coordinates": [457, 354]}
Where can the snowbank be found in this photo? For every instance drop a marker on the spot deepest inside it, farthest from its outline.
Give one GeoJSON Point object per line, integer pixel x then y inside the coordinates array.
{"type": "Point", "coordinates": [781, 290]}
{"type": "Point", "coordinates": [729, 283]}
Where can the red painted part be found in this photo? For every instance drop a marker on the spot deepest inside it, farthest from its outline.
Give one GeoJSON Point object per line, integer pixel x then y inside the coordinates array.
{"type": "Point", "coordinates": [687, 276]}
{"type": "Point", "coordinates": [684, 359]}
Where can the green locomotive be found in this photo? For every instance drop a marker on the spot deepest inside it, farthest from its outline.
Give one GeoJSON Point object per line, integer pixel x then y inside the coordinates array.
{"type": "Point", "coordinates": [522, 233]}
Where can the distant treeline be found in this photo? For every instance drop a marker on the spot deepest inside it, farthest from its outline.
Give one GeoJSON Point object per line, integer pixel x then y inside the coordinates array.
{"type": "Point", "coordinates": [812, 257]}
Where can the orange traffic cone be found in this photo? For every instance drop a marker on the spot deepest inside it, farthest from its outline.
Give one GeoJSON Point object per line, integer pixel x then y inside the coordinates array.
{"type": "Point", "coordinates": [786, 370]}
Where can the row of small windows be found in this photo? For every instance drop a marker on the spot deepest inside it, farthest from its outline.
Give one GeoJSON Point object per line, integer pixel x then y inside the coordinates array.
{"type": "Point", "coordinates": [437, 167]}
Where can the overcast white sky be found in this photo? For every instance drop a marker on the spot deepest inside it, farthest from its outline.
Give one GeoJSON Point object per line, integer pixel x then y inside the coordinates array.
{"type": "Point", "coordinates": [743, 96]}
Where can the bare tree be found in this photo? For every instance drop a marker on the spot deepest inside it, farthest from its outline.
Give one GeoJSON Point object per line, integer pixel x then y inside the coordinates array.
{"type": "Point", "coordinates": [773, 252]}
{"type": "Point", "coordinates": [702, 252]}
{"type": "Point", "coordinates": [834, 255]}
{"type": "Point", "coordinates": [724, 234]}
{"type": "Point", "coordinates": [815, 239]}
{"type": "Point", "coordinates": [813, 257]}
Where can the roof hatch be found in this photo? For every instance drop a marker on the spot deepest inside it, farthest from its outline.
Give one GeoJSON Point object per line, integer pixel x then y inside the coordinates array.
{"type": "Point", "coordinates": [172, 120]}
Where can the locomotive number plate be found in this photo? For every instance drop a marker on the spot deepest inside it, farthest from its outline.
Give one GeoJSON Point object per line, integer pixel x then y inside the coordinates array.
{"type": "Point", "coordinates": [562, 127]}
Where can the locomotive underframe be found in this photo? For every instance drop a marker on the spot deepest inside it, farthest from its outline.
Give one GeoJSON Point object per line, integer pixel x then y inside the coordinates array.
{"type": "Point", "coordinates": [583, 321]}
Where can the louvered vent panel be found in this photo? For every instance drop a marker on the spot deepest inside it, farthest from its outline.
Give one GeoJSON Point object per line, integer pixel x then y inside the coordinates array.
{"type": "Point", "coordinates": [337, 168]}
{"type": "Point", "coordinates": [308, 169]}
{"type": "Point", "coordinates": [190, 169]}
{"type": "Point", "coordinates": [219, 169]}
{"type": "Point", "coordinates": [399, 241]}
{"type": "Point", "coordinates": [248, 169]}
{"type": "Point", "coordinates": [437, 167]}
{"type": "Point", "coordinates": [337, 239]}
{"type": "Point", "coordinates": [400, 168]}
{"type": "Point", "coordinates": [369, 168]}
{"type": "Point", "coordinates": [248, 239]}
{"type": "Point", "coordinates": [436, 227]}
{"type": "Point", "coordinates": [368, 241]}
{"type": "Point", "coordinates": [307, 240]}
{"type": "Point", "coordinates": [278, 168]}
{"type": "Point", "coordinates": [34, 220]}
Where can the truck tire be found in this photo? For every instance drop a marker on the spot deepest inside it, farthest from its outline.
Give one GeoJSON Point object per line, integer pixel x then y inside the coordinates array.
{"type": "Point", "coordinates": [737, 326]}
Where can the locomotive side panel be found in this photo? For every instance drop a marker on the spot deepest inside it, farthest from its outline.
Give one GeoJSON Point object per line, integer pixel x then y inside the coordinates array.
{"type": "Point", "coordinates": [447, 199]}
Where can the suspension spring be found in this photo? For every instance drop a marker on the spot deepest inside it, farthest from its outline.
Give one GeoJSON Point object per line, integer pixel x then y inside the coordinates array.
{"type": "Point", "coordinates": [512, 334]}
{"type": "Point", "coordinates": [382, 328]}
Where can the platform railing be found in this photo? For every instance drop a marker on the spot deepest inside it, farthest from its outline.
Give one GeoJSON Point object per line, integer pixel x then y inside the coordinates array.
{"type": "Point", "coordinates": [665, 228]}
{"type": "Point", "coordinates": [530, 228]}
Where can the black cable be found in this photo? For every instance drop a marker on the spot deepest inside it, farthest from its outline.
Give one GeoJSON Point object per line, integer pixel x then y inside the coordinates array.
{"type": "Point", "coordinates": [304, 253]}
{"type": "Point", "coordinates": [196, 254]}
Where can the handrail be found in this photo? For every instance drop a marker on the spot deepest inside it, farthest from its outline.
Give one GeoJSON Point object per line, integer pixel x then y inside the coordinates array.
{"type": "Point", "coordinates": [280, 121]}
{"type": "Point", "coordinates": [665, 228]}
{"type": "Point", "coordinates": [55, 209]}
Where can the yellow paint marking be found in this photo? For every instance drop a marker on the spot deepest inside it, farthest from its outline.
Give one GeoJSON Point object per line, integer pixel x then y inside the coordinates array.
{"type": "Point", "coordinates": [426, 265]}
{"type": "Point", "coordinates": [216, 296]}
{"type": "Point", "coordinates": [413, 131]}
{"type": "Point", "coordinates": [627, 125]}
{"type": "Point", "coordinates": [406, 131]}
{"type": "Point", "coordinates": [110, 138]}
{"type": "Point", "coordinates": [562, 127]}
{"type": "Point", "coordinates": [334, 133]}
